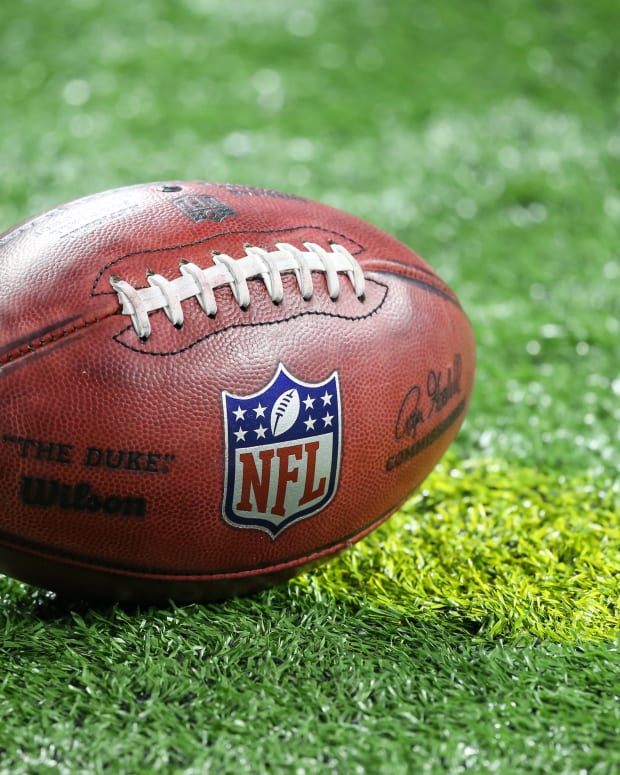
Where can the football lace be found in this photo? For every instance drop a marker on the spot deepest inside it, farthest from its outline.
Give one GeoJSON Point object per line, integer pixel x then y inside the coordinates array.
{"type": "Point", "coordinates": [258, 263]}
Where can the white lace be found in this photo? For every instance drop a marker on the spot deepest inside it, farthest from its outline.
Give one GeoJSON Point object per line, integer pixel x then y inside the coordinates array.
{"type": "Point", "coordinates": [268, 266]}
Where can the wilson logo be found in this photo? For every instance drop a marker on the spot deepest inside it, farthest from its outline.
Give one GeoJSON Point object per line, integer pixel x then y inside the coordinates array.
{"type": "Point", "coordinates": [282, 452]}
{"type": "Point", "coordinates": [50, 493]}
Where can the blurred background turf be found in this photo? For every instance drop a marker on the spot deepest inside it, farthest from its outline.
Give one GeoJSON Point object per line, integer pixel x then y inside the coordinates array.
{"type": "Point", "coordinates": [486, 135]}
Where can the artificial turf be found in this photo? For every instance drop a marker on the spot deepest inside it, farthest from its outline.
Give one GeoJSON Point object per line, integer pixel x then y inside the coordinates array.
{"type": "Point", "coordinates": [477, 630]}
{"type": "Point", "coordinates": [495, 550]}
{"type": "Point", "coordinates": [282, 684]}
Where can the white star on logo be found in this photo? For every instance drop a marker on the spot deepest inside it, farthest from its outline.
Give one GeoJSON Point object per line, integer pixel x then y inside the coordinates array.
{"type": "Point", "coordinates": [260, 432]}
{"type": "Point", "coordinates": [260, 410]}
{"type": "Point", "coordinates": [328, 419]}
{"type": "Point", "coordinates": [308, 403]}
{"type": "Point", "coordinates": [309, 423]}
{"type": "Point", "coordinates": [240, 434]}
{"type": "Point", "coordinates": [327, 398]}
{"type": "Point", "coordinates": [239, 413]}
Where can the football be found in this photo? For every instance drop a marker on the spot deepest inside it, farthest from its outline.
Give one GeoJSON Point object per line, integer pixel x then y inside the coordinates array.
{"type": "Point", "coordinates": [206, 388]}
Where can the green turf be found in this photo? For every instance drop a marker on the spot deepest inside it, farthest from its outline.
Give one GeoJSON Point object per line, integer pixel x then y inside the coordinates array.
{"type": "Point", "coordinates": [494, 550]}
{"type": "Point", "coordinates": [296, 685]}
{"type": "Point", "coordinates": [478, 629]}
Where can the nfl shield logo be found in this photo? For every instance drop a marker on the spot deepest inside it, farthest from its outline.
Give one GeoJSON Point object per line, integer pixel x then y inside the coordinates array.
{"type": "Point", "coordinates": [203, 208]}
{"type": "Point", "coordinates": [282, 452]}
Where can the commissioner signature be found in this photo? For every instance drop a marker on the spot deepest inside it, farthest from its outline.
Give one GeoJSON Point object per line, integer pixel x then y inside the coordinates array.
{"type": "Point", "coordinates": [420, 403]}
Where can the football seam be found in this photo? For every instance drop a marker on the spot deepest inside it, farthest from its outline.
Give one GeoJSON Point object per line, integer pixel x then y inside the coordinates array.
{"type": "Point", "coordinates": [20, 349]}
{"type": "Point", "coordinates": [110, 264]}
{"type": "Point", "coordinates": [234, 326]}
{"type": "Point", "coordinates": [426, 271]}
{"type": "Point", "coordinates": [24, 347]}
{"type": "Point", "coordinates": [444, 293]}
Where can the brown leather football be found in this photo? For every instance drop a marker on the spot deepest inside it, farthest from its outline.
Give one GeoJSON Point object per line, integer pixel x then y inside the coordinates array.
{"type": "Point", "coordinates": [205, 388]}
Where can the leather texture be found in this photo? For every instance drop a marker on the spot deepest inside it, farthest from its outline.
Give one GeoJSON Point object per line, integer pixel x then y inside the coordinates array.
{"type": "Point", "coordinates": [115, 453]}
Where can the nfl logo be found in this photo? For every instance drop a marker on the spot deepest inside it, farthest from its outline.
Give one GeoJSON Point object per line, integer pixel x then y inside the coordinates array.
{"type": "Point", "coordinates": [203, 208]}
{"type": "Point", "coordinates": [282, 452]}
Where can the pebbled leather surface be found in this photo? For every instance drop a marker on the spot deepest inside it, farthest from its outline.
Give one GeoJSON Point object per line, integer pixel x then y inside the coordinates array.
{"type": "Point", "coordinates": [113, 451]}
